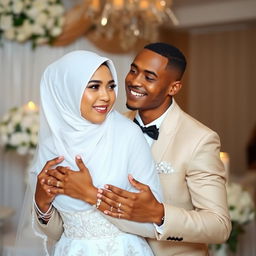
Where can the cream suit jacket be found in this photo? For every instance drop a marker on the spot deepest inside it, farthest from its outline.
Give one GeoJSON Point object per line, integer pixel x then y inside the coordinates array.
{"type": "Point", "coordinates": [195, 200]}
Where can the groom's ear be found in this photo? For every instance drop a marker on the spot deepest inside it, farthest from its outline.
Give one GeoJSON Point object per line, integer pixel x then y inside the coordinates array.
{"type": "Point", "coordinates": [174, 88]}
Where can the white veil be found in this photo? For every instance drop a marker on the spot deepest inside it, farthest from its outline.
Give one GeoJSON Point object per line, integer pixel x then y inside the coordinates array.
{"type": "Point", "coordinates": [61, 130]}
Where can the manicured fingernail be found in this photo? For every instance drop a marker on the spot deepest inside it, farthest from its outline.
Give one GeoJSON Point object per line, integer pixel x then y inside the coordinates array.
{"type": "Point", "coordinates": [106, 212]}
{"type": "Point", "coordinates": [60, 157]}
{"type": "Point", "coordinates": [99, 195]}
{"type": "Point", "coordinates": [100, 190]}
{"type": "Point", "coordinates": [106, 186]}
{"type": "Point", "coordinates": [78, 157]}
{"type": "Point", "coordinates": [46, 171]}
{"type": "Point", "coordinates": [68, 167]}
{"type": "Point", "coordinates": [48, 190]}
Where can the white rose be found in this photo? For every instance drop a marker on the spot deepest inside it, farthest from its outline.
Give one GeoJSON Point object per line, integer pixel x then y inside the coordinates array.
{"type": "Point", "coordinates": [41, 19]}
{"type": "Point", "coordinates": [10, 127]}
{"type": "Point", "coordinates": [56, 31]}
{"type": "Point", "coordinates": [50, 23]}
{"type": "Point", "coordinates": [56, 10]}
{"type": "Point", "coordinates": [17, 7]}
{"type": "Point", "coordinates": [6, 22]}
{"type": "Point", "coordinates": [34, 128]}
{"type": "Point", "coordinates": [19, 138]}
{"type": "Point", "coordinates": [15, 139]}
{"type": "Point", "coordinates": [22, 150]}
{"type": "Point", "coordinates": [32, 13]}
{"type": "Point", "coordinates": [16, 118]}
{"type": "Point", "coordinates": [38, 30]}
{"type": "Point", "coordinates": [235, 215]}
{"type": "Point", "coordinates": [246, 206]}
{"type": "Point", "coordinates": [40, 5]}
{"type": "Point", "coordinates": [9, 34]}
{"type": "Point", "coordinates": [27, 28]}
{"type": "Point", "coordinates": [21, 37]}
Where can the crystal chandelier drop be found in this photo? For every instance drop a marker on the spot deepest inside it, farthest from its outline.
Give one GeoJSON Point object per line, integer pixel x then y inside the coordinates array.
{"type": "Point", "coordinates": [130, 20]}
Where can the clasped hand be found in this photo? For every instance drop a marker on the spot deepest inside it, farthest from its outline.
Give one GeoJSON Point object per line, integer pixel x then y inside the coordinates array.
{"type": "Point", "coordinates": [139, 206]}
{"type": "Point", "coordinates": [62, 180]}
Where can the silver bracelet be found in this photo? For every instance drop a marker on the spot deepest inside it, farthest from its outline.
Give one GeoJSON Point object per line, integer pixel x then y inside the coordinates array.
{"type": "Point", "coordinates": [43, 215]}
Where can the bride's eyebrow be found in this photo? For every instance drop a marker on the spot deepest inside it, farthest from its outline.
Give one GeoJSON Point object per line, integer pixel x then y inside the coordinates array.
{"type": "Point", "coordinates": [95, 81]}
{"type": "Point", "coordinates": [111, 81]}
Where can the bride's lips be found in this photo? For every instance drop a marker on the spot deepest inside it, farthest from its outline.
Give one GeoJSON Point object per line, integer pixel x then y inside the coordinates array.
{"type": "Point", "coordinates": [101, 109]}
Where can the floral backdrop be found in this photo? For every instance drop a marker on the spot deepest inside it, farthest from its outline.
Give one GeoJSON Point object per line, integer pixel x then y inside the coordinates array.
{"type": "Point", "coordinates": [37, 20]}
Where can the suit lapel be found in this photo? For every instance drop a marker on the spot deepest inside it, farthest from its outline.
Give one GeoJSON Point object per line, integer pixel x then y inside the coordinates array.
{"type": "Point", "coordinates": [166, 132]}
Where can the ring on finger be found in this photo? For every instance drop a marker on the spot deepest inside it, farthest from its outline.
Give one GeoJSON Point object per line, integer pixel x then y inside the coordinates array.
{"type": "Point", "coordinates": [49, 182]}
{"type": "Point", "coordinates": [58, 184]}
{"type": "Point", "coordinates": [119, 205]}
{"type": "Point", "coordinates": [111, 208]}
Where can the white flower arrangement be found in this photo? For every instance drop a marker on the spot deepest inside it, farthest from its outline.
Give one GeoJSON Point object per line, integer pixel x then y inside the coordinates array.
{"type": "Point", "coordinates": [19, 129]}
{"type": "Point", "coordinates": [241, 205]}
{"type": "Point", "coordinates": [242, 211]}
{"type": "Point", "coordinates": [37, 20]}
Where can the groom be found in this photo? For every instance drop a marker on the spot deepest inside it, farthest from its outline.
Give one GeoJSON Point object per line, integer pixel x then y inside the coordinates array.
{"type": "Point", "coordinates": [194, 212]}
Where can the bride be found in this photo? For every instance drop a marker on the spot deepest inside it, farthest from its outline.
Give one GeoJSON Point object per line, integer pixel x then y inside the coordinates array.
{"type": "Point", "coordinates": [78, 124]}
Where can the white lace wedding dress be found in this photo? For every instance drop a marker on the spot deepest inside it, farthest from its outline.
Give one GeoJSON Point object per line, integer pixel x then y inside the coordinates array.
{"type": "Point", "coordinates": [88, 233]}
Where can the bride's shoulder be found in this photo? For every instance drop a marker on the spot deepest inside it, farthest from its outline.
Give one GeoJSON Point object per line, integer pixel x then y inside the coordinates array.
{"type": "Point", "coordinates": [125, 124]}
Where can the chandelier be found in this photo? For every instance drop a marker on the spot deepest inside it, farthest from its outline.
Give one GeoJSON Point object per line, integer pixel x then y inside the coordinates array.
{"type": "Point", "coordinates": [130, 20]}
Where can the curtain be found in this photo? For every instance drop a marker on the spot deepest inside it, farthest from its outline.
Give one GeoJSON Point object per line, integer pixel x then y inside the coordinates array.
{"type": "Point", "coordinates": [222, 86]}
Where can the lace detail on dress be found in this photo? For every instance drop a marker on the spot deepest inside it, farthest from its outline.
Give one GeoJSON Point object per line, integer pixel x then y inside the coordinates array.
{"type": "Point", "coordinates": [87, 225]}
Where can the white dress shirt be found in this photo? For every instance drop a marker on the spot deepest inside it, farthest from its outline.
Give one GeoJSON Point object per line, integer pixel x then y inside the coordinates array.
{"type": "Point", "coordinates": [156, 122]}
{"type": "Point", "coordinates": [150, 141]}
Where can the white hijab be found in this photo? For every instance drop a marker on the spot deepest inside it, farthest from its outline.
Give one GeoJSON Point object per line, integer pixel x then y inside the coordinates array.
{"type": "Point", "coordinates": [63, 131]}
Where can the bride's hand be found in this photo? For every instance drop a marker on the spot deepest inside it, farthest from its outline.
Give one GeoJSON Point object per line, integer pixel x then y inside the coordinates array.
{"type": "Point", "coordinates": [45, 187]}
{"type": "Point", "coordinates": [76, 184]}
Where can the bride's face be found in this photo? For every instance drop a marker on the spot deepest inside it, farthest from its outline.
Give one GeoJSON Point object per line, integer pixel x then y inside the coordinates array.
{"type": "Point", "coordinates": [99, 96]}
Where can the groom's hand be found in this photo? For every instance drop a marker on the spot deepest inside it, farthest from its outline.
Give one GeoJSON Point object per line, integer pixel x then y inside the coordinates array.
{"type": "Point", "coordinates": [141, 206]}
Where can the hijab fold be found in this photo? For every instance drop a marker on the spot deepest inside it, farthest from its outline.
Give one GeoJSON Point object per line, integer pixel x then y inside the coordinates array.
{"type": "Point", "coordinates": [63, 131]}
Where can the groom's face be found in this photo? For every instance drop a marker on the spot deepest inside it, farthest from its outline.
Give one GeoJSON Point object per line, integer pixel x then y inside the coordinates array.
{"type": "Point", "coordinates": [148, 81]}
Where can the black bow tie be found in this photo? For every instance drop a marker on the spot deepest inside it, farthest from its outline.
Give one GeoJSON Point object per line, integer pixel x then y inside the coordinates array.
{"type": "Point", "coordinates": [151, 131]}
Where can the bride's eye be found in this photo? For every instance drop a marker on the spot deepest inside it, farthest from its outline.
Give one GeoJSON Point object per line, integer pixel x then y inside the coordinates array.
{"type": "Point", "coordinates": [93, 86]}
